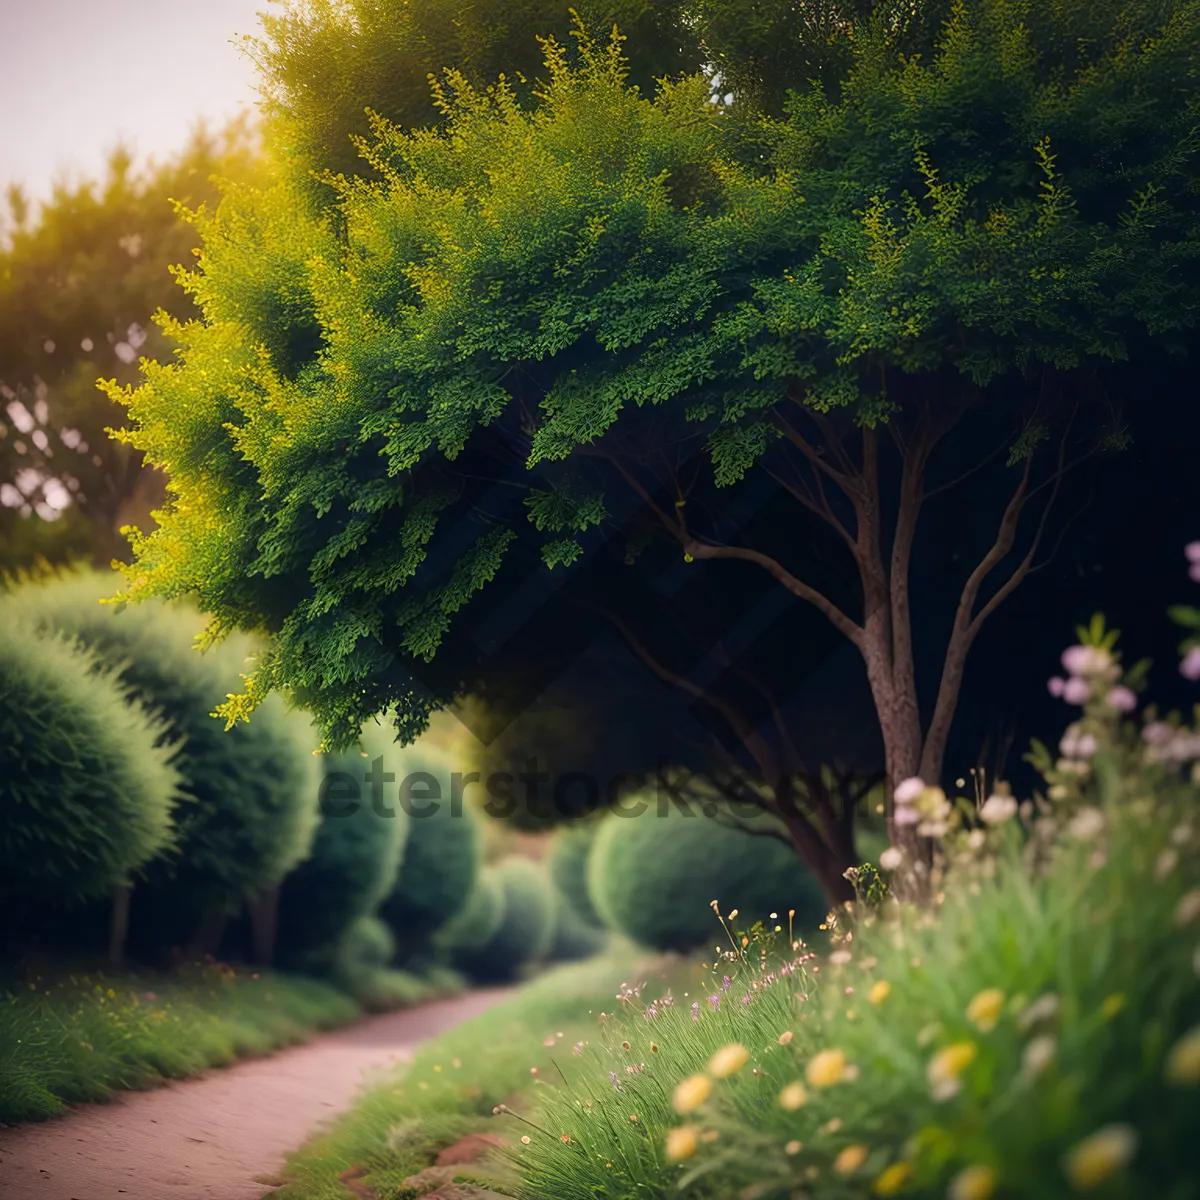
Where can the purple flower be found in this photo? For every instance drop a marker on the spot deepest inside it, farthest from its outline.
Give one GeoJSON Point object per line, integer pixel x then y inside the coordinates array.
{"type": "Point", "coordinates": [1122, 699]}
{"type": "Point", "coordinates": [1076, 691]}
{"type": "Point", "coordinates": [1194, 572]}
{"type": "Point", "coordinates": [726, 984]}
{"type": "Point", "coordinates": [1190, 667]}
{"type": "Point", "coordinates": [714, 1002]}
{"type": "Point", "coordinates": [650, 1013]}
{"type": "Point", "coordinates": [696, 1010]}
{"type": "Point", "coordinates": [615, 1080]}
{"type": "Point", "coordinates": [1192, 552]}
{"type": "Point", "coordinates": [1056, 685]}
{"type": "Point", "coordinates": [905, 814]}
{"type": "Point", "coordinates": [1158, 733]}
{"type": "Point", "coordinates": [747, 998]}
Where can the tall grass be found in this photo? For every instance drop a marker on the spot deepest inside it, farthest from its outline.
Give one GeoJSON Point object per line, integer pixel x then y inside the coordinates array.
{"type": "Point", "coordinates": [80, 1037]}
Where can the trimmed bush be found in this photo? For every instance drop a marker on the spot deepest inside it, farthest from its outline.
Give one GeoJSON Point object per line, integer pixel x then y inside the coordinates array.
{"type": "Point", "coordinates": [476, 923]}
{"type": "Point", "coordinates": [567, 862]}
{"type": "Point", "coordinates": [652, 877]}
{"type": "Point", "coordinates": [574, 938]}
{"type": "Point", "coordinates": [441, 858]}
{"type": "Point", "coordinates": [87, 782]}
{"type": "Point", "coordinates": [248, 807]}
{"type": "Point", "coordinates": [526, 932]}
{"type": "Point", "coordinates": [354, 863]}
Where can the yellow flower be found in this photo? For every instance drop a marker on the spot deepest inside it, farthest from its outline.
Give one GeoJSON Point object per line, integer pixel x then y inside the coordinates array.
{"type": "Point", "coordinates": [1183, 1060]}
{"type": "Point", "coordinates": [892, 1180]}
{"type": "Point", "coordinates": [729, 1060]}
{"type": "Point", "coordinates": [1100, 1156]}
{"type": "Point", "coordinates": [850, 1160]}
{"type": "Point", "coordinates": [826, 1069]}
{"type": "Point", "coordinates": [972, 1183]}
{"type": "Point", "coordinates": [793, 1147]}
{"type": "Point", "coordinates": [984, 1011]}
{"type": "Point", "coordinates": [681, 1143]}
{"type": "Point", "coordinates": [793, 1096]}
{"type": "Point", "coordinates": [1112, 1005]}
{"type": "Point", "coordinates": [691, 1093]}
{"type": "Point", "coordinates": [951, 1062]}
{"type": "Point", "coordinates": [879, 992]}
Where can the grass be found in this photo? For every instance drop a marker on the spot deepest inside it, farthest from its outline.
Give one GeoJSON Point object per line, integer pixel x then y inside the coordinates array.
{"type": "Point", "coordinates": [1031, 1032]}
{"type": "Point", "coordinates": [79, 1037]}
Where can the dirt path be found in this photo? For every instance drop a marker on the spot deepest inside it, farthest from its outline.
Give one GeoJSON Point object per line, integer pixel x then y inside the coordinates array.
{"type": "Point", "coordinates": [211, 1137]}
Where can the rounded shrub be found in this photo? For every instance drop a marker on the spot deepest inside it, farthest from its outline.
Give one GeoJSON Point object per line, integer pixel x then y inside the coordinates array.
{"type": "Point", "coordinates": [567, 861]}
{"type": "Point", "coordinates": [574, 938]}
{"type": "Point", "coordinates": [441, 857]}
{"type": "Point", "coordinates": [653, 877]}
{"type": "Point", "coordinates": [354, 862]}
{"type": "Point", "coordinates": [526, 932]}
{"type": "Point", "coordinates": [476, 923]}
{"type": "Point", "coordinates": [248, 805]}
{"type": "Point", "coordinates": [87, 779]}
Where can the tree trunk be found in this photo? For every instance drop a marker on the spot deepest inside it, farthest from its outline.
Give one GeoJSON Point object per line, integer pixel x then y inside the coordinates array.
{"type": "Point", "coordinates": [118, 924]}
{"type": "Point", "coordinates": [264, 923]}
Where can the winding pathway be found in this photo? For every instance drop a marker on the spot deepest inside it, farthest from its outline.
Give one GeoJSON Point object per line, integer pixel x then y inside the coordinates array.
{"type": "Point", "coordinates": [224, 1134]}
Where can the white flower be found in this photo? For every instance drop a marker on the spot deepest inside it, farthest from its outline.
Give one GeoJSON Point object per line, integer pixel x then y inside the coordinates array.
{"type": "Point", "coordinates": [1044, 1008]}
{"type": "Point", "coordinates": [905, 814]}
{"type": "Point", "coordinates": [976, 839]}
{"type": "Point", "coordinates": [891, 858]}
{"type": "Point", "coordinates": [1122, 699]}
{"type": "Point", "coordinates": [997, 809]}
{"type": "Point", "coordinates": [1086, 824]}
{"type": "Point", "coordinates": [1038, 1055]}
{"type": "Point", "coordinates": [1077, 744]}
{"type": "Point", "coordinates": [1077, 691]}
{"type": "Point", "coordinates": [1188, 908]}
{"type": "Point", "coordinates": [1166, 862]}
{"type": "Point", "coordinates": [1087, 661]}
{"type": "Point", "coordinates": [907, 791]}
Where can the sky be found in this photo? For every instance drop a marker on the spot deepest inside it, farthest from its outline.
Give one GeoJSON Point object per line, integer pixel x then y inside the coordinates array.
{"type": "Point", "coordinates": [79, 76]}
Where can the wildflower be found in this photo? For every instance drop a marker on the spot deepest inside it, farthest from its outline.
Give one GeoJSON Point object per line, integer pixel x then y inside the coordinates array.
{"type": "Point", "coordinates": [908, 790]}
{"type": "Point", "coordinates": [728, 1060]}
{"type": "Point", "coordinates": [973, 1183]}
{"type": "Point", "coordinates": [1100, 1156]}
{"type": "Point", "coordinates": [850, 1159]}
{"type": "Point", "coordinates": [794, 1096]}
{"type": "Point", "coordinates": [946, 1066]}
{"type": "Point", "coordinates": [785, 1038]}
{"type": "Point", "coordinates": [1166, 862]}
{"type": "Point", "coordinates": [826, 1068]}
{"type": "Point", "coordinates": [891, 858]}
{"type": "Point", "coordinates": [1112, 1005]}
{"type": "Point", "coordinates": [1077, 744]}
{"type": "Point", "coordinates": [727, 983]}
{"type": "Point", "coordinates": [1189, 668]}
{"type": "Point", "coordinates": [714, 1002]}
{"type": "Point", "coordinates": [892, 1179]}
{"type": "Point", "coordinates": [1183, 1060]}
{"type": "Point", "coordinates": [1188, 908]}
{"type": "Point", "coordinates": [681, 1143]}
{"type": "Point", "coordinates": [1192, 552]}
{"type": "Point", "coordinates": [615, 1080]}
{"type": "Point", "coordinates": [879, 992]}
{"type": "Point", "coordinates": [984, 1010]}
{"type": "Point", "coordinates": [696, 1010]}
{"type": "Point", "coordinates": [793, 1147]}
{"type": "Point", "coordinates": [691, 1092]}
{"type": "Point", "coordinates": [1076, 691]}
{"type": "Point", "coordinates": [1044, 1008]}
{"type": "Point", "coordinates": [565, 1139]}
{"type": "Point", "coordinates": [1055, 686]}
{"type": "Point", "coordinates": [997, 809]}
{"type": "Point", "coordinates": [1086, 824]}
{"type": "Point", "coordinates": [650, 1013]}
{"type": "Point", "coordinates": [633, 1117]}
{"type": "Point", "coordinates": [577, 1049]}
{"type": "Point", "coordinates": [525, 1140]}
{"type": "Point", "coordinates": [635, 1069]}
{"type": "Point", "coordinates": [832, 1126]}
{"type": "Point", "coordinates": [1087, 661]}
{"type": "Point", "coordinates": [534, 1071]}
{"type": "Point", "coordinates": [1122, 699]}
{"type": "Point", "coordinates": [1038, 1055]}
{"type": "Point", "coordinates": [905, 814]}
{"type": "Point", "coordinates": [840, 957]}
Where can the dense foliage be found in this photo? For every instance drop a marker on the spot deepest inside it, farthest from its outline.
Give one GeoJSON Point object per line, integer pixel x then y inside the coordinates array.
{"type": "Point", "coordinates": [653, 876]}
{"type": "Point", "coordinates": [81, 277]}
{"type": "Point", "coordinates": [567, 861]}
{"type": "Point", "coordinates": [476, 923]}
{"type": "Point", "coordinates": [526, 931]}
{"type": "Point", "coordinates": [87, 779]}
{"type": "Point", "coordinates": [354, 862]}
{"type": "Point", "coordinates": [442, 856]}
{"type": "Point", "coordinates": [248, 805]}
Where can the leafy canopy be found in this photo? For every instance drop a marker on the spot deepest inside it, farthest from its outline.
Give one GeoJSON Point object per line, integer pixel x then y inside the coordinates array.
{"type": "Point", "coordinates": [541, 279]}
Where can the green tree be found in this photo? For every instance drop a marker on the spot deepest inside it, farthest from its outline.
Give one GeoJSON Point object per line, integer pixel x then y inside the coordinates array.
{"type": "Point", "coordinates": [80, 280]}
{"type": "Point", "coordinates": [87, 781]}
{"type": "Point", "coordinates": [248, 805]}
{"type": "Point", "coordinates": [669, 300]}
